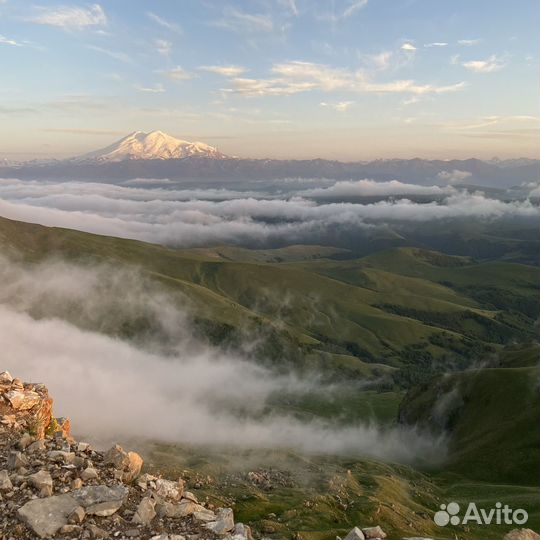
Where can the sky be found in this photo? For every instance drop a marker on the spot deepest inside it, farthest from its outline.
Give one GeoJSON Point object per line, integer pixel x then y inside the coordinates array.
{"type": "Point", "coordinates": [336, 79]}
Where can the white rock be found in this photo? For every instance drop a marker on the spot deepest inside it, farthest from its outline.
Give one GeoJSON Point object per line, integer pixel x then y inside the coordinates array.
{"type": "Point", "coordinates": [355, 534]}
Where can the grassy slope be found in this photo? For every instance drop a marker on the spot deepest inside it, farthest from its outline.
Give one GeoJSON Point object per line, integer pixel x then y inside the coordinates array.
{"type": "Point", "coordinates": [356, 311]}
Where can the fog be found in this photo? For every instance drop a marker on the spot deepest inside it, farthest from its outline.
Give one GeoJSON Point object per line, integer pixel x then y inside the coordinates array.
{"type": "Point", "coordinates": [195, 217]}
{"type": "Point", "coordinates": [55, 327]}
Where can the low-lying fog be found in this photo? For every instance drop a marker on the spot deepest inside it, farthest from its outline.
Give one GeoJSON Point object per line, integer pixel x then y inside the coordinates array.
{"type": "Point", "coordinates": [51, 317]}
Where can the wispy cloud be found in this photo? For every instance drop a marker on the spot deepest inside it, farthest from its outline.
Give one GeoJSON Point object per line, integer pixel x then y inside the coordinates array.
{"type": "Point", "coordinates": [82, 131]}
{"type": "Point", "coordinates": [6, 41]}
{"type": "Point", "coordinates": [295, 77]}
{"type": "Point", "coordinates": [116, 55]}
{"type": "Point", "coordinates": [178, 74]}
{"type": "Point", "coordinates": [68, 17]}
{"type": "Point", "coordinates": [163, 46]}
{"type": "Point", "coordinates": [157, 89]}
{"type": "Point", "coordinates": [340, 106]}
{"type": "Point", "coordinates": [489, 65]}
{"type": "Point", "coordinates": [436, 44]}
{"type": "Point", "coordinates": [227, 70]}
{"type": "Point", "coordinates": [241, 22]}
{"type": "Point", "coordinates": [469, 42]}
{"type": "Point", "coordinates": [344, 12]}
{"type": "Point", "coordinates": [173, 27]}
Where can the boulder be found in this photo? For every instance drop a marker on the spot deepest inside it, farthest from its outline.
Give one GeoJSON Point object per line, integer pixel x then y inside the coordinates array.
{"type": "Point", "coordinates": [89, 474]}
{"type": "Point", "coordinates": [130, 463]}
{"type": "Point", "coordinates": [46, 516]}
{"type": "Point", "coordinates": [5, 377]}
{"type": "Point", "coordinates": [355, 534]}
{"type": "Point", "coordinates": [22, 400]}
{"type": "Point", "coordinates": [89, 496]}
{"type": "Point", "coordinates": [204, 515]}
{"type": "Point", "coordinates": [77, 516]}
{"type": "Point", "coordinates": [16, 460]}
{"type": "Point", "coordinates": [182, 509]}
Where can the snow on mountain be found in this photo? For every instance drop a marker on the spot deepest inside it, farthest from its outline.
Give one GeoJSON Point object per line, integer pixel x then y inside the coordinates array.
{"type": "Point", "coordinates": [153, 145]}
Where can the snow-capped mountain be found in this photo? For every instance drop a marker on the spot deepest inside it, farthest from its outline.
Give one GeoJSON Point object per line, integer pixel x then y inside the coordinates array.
{"type": "Point", "coordinates": [154, 145]}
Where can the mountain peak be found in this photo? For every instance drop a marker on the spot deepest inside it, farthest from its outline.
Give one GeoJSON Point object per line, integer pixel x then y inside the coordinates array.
{"type": "Point", "coordinates": [140, 145]}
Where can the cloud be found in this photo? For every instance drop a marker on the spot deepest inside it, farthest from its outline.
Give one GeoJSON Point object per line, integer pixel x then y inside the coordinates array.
{"type": "Point", "coordinates": [291, 5]}
{"type": "Point", "coordinates": [116, 55]}
{"type": "Point", "coordinates": [163, 46]}
{"type": "Point", "coordinates": [226, 70]}
{"type": "Point", "coordinates": [173, 27]}
{"type": "Point", "coordinates": [370, 188]}
{"type": "Point", "coordinates": [71, 17]}
{"type": "Point", "coordinates": [157, 89]}
{"type": "Point", "coordinates": [83, 131]}
{"type": "Point", "coordinates": [344, 12]}
{"type": "Point", "coordinates": [297, 76]}
{"type": "Point", "coordinates": [489, 65]}
{"type": "Point", "coordinates": [196, 218]}
{"type": "Point", "coordinates": [191, 391]}
{"type": "Point", "coordinates": [454, 177]}
{"type": "Point", "coordinates": [469, 42]}
{"type": "Point", "coordinates": [6, 41]}
{"type": "Point", "coordinates": [178, 74]}
{"type": "Point", "coordinates": [436, 44]}
{"type": "Point", "coordinates": [340, 106]}
{"type": "Point", "coordinates": [241, 22]}
{"type": "Point", "coordinates": [409, 47]}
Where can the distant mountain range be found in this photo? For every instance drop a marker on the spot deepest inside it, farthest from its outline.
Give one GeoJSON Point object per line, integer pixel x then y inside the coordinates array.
{"type": "Point", "coordinates": [158, 155]}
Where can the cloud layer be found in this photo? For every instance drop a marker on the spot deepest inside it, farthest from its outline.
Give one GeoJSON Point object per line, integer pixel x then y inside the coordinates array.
{"type": "Point", "coordinates": [171, 215]}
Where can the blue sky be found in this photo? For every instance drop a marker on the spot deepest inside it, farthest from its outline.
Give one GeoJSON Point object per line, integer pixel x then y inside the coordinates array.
{"type": "Point", "coordinates": [343, 79]}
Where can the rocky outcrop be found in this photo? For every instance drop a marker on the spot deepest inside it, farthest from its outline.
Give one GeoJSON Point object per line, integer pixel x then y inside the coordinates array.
{"type": "Point", "coordinates": [52, 486]}
{"type": "Point", "coordinates": [27, 406]}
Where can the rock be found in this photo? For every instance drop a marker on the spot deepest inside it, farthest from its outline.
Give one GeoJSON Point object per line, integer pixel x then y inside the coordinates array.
{"type": "Point", "coordinates": [77, 483]}
{"type": "Point", "coordinates": [72, 530]}
{"type": "Point", "coordinates": [167, 489]}
{"type": "Point", "coordinates": [130, 463]}
{"type": "Point", "coordinates": [25, 441]}
{"type": "Point", "coordinates": [97, 533]}
{"type": "Point", "coordinates": [144, 480]}
{"type": "Point", "coordinates": [182, 509]}
{"type": "Point", "coordinates": [5, 377]}
{"type": "Point", "coordinates": [42, 480]}
{"type": "Point", "coordinates": [46, 516]}
{"type": "Point", "coordinates": [145, 512]}
{"type": "Point", "coordinates": [5, 482]}
{"type": "Point", "coordinates": [60, 456]}
{"type": "Point", "coordinates": [224, 522]}
{"type": "Point", "coordinates": [189, 496]}
{"type": "Point", "coordinates": [16, 460]}
{"type": "Point", "coordinates": [83, 447]}
{"type": "Point", "coordinates": [355, 534]}
{"type": "Point", "coordinates": [373, 532]}
{"type": "Point", "coordinates": [242, 531]}
{"type": "Point", "coordinates": [522, 534]}
{"type": "Point", "coordinates": [77, 516]}
{"type": "Point", "coordinates": [22, 400]}
{"type": "Point", "coordinates": [89, 474]}
{"type": "Point", "coordinates": [92, 495]}
{"type": "Point", "coordinates": [204, 515]}
{"type": "Point", "coordinates": [104, 509]}
{"type": "Point", "coordinates": [37, 446]}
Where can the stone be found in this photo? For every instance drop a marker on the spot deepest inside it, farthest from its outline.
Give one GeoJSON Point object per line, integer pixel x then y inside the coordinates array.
{"type": "Point", "coordinates": [60, 456]}
{"type": "Point", "coordinates": [37, 446]}
{"type": "Point", "coordinates": [242, 531]}
{"type": "Point", "coordinates": [72, 530]}
{"type": "Point", "coordinates": [145, 512]}
{"type": "Point", "coordinates": [89, 474]}
{"type": "Point", "coordinates": [77, 483]}
{"type": "Point", "coordinates": [46, 516]}
{"type": "Point", "coordinates": [223, 523]}
{"type": "Point", "coordinates": [144, 479]}
{"type": "Point", "coordinates": [92, 495]}
{"type": "Point", "coordinates": [373, 532]}
{"type": "Point", "coordinates": [5, 377]}
{"type": "Point", "coordinates": [21, 400]}
{"type": "Point", "coordinates": [42, 480]}
{"type": "Point", "coordinates": [522, 534]}
{"type": "Point", "coordinates": [97, 532]}
{"type": "Point", "coordinates": [104, 509]}
{"type": "Point", "coordinates": [134, 467]}
{"type": "Point", "coordinates": [77, 516]}
{"type": "Point", "coordinates": [130, 463]}
{"type": "Point", "coordinates": [182, 509]}
{"type": "Point", "coordinates": [204, 515]}
{"type": "Point", "coordinates": [116, 457]}
{"type": "Point", "coordinates": [167, 489]}
{"type": "Point", "coordinates": [16, 460]}
{"type": "Point", "coordinates": [83, 447]}
{"type": "Point", "coordinates": [25, 441]}
{"type": "Point", "coordinates": [189, 496]}
{"type": "Point", "coordinates": [5, 482]}
{"type": "Point", "coordinates": [355, 534]}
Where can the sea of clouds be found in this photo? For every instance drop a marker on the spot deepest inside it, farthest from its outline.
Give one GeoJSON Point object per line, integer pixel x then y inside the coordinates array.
{"type": "Point", "coordinates": [291, 211]}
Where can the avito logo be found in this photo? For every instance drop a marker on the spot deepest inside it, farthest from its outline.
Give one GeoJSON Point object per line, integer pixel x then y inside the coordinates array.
{"type": "Point", "coordinates": [450, 514]}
